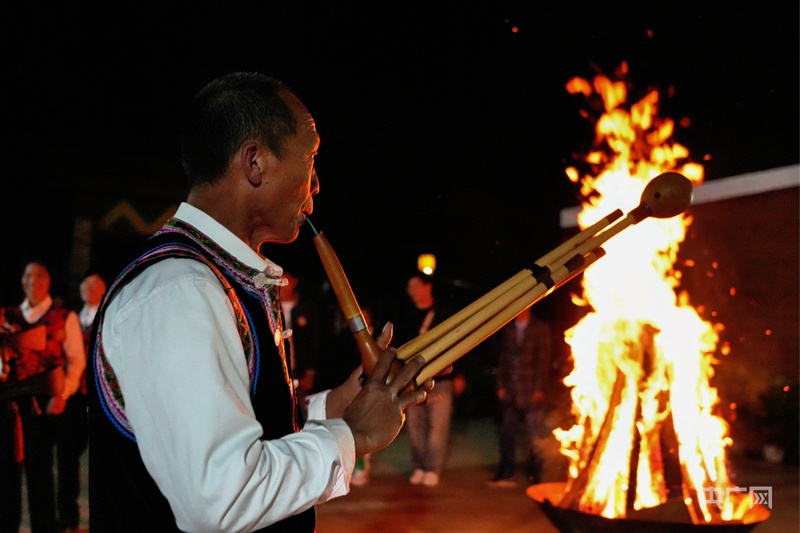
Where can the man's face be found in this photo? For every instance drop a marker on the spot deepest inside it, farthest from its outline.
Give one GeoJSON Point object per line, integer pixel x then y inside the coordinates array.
{"type": "Point", "coordinates": [286, 197]}
{"type": "Point", "coordinates": [35, 282]}
{"type": "Point", "coordinates": [92, 290]}
{"type": "Point", "coordinates": [418, 290]}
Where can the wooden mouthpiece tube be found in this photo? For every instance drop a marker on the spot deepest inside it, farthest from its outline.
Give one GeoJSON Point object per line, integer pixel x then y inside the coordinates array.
{"type": "Point", "coordinates": [370, 351]}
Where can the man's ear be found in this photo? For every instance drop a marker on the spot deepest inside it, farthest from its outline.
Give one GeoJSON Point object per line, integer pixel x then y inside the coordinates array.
{"type": "Point", "coordinates": [253, 162]}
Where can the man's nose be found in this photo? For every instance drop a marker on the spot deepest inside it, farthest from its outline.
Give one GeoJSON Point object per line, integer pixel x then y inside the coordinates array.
{"type": "Point", "coordinates": [314, 182]}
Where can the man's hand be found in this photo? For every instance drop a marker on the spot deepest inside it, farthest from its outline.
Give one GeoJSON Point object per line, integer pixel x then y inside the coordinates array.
{"type": "Point", "coordinates": [377, 413]}
{"type": "Point", "coordinates": [56, 405]}
{"type": "Point", "coordinates": [340, 397]}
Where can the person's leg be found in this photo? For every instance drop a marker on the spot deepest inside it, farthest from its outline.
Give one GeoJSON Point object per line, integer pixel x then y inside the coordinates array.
{"type": "Point", "coordinates": [361, 472]}
{"type": "Point", "coordinates": [533, 427]}
{"type": "Point", "coordinates": [72, 439]}
{"type": "Point", "coordinates": [508, 442]}
{"type": "Point", "coordinates": [367, 463]}
{"type": "Point", "coordinates": [441, 415]}
{"type": "Point", "coordinates": [39, 432]}
{"type": "Point", "coordinates": [417, 428]}
{"type": "Point", "coordinates": [10, 468]}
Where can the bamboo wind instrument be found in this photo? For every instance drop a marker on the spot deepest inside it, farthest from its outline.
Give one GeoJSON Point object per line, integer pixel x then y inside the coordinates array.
{"type": "Point", "coordinates": [665, 196]}
{"type": "Point", "coordinates": [369, 349]}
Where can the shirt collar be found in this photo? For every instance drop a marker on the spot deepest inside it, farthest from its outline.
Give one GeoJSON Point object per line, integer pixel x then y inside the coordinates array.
{"type": "Point", "coordinates": [223, 237]}
{"type": "Point", "coordinates": [32, 313]}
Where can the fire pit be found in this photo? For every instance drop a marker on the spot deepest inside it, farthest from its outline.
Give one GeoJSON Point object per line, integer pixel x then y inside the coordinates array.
{"type": "Point", "coordinates": [647, 448]}
{"type": "Point", "coordinates": [671, 517]}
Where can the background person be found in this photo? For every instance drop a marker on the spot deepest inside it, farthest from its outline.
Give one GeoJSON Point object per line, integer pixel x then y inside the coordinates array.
{"type": "Point", "coordinates": [73, 433]}
{"type": "Point", "coordinates": [525, 356]}
{"type": "Point", "coordinates": [38, 415]}
{"type": "Point", "coordinates": [428, 424]}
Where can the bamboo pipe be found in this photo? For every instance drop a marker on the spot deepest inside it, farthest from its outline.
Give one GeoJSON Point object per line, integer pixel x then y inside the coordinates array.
{"type": "Point", "coordinates": [509, 290]}
{"type": "Point", "coordinates": [493, 318]}
{"type": "Point", "coordinates": [370, 351]}
{"type": "Point", "coordinates": [665, 196]}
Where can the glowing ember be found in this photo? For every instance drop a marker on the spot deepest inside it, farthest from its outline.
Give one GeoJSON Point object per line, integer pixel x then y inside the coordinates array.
{"type": "Point", "coordinates": [643, 358]}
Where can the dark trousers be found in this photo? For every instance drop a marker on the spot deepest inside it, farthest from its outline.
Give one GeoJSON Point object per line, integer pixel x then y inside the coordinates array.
{"type": "Point", "coordinates": [73, 436]}
{"type": "Point", "coordinates": [39, 434]}
{"type": "Point", "coordinates": [512, 419]}
{"type": "Point", "coordinates": [10, 468]}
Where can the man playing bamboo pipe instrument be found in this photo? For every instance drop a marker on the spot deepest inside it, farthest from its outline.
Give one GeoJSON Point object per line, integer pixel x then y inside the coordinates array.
{"type": "Point", "coordinates": [192, 413]}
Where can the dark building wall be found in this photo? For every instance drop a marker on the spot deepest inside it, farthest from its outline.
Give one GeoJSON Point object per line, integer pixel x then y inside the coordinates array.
{"type": "Point", "coordinates": [745, 277]}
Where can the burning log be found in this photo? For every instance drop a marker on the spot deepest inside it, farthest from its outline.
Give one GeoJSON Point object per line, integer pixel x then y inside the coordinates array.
{"type": "Point", "coordinates": [576, 486]}
{"type": "Point", "coordinates": [632, 369]}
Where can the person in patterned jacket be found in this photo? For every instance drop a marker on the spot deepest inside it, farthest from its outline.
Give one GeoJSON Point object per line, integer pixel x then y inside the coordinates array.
{"type": "Point", "coordinates": [525, 358]}
{"type": "Point", "coordinates": [192, 409]}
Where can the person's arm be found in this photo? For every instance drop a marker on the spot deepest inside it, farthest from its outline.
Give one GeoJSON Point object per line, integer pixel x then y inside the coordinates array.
{"type": "Point", "coordinates": [171, 337]}
{"type": "Point", "coordinates": [73, 367]}
{"type": "Point", "coordinates": [74, 354]}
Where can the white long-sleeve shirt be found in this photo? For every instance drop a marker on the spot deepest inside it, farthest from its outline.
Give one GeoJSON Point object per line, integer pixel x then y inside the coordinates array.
{"type": "Point", "coordinates": [86, 315]}
{"type": "Point", "coordinates": [74, 353]}
{"type": "Point", "coordinates": [171, 337]}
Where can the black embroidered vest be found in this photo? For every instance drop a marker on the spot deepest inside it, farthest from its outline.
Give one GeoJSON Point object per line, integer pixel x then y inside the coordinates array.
{"type": "Point", "coordinates": [122, 495]}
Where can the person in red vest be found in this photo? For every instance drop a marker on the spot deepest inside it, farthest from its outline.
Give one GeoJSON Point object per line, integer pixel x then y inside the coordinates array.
{"type": "Point", "coordinates": [37, 412]}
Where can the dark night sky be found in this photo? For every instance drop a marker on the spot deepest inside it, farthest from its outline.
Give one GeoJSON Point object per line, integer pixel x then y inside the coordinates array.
{"type": "Point", "coordinates": [442, 130]}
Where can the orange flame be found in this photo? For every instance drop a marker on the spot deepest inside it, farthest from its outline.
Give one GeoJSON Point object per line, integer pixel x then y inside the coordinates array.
{"type": "Point", "coordinates": [643, 357]}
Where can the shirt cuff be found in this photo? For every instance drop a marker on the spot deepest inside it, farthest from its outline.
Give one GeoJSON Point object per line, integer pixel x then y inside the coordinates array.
{"type": "Point", "coordinates": [316, 405]}
{"type": "Point", "coordinates": [347, 452]}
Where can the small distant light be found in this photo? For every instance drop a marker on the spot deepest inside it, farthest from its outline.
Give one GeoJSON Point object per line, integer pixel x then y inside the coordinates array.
{"type": "Point", "coordinates": [786, 388]}
{"type": "Point", "coordinates": [515, 29]}
{"type": "Point", "coordinates": [426, 263]}
{"type": "Point", "coordinates": [733, 291]}
{"type": "Point", "coordinates": [768, 332]}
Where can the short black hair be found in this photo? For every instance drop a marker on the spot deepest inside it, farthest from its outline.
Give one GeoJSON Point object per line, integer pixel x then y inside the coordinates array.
{"type": "Point", "coordinates": [227, 112]}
